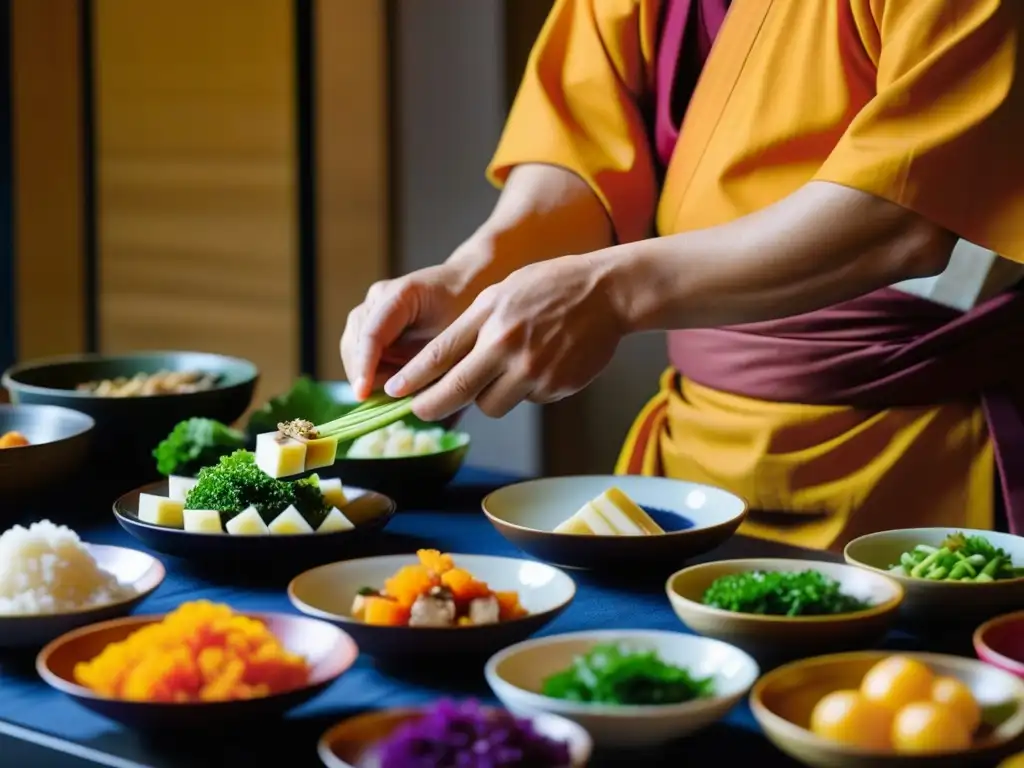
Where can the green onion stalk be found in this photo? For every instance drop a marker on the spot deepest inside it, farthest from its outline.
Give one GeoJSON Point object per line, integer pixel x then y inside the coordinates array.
{"type": "Point", "coordinates": [376, 412]}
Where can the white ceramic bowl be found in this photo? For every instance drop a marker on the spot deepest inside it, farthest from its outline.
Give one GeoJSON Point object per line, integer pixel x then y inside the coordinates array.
{"type": "Point", "coordinates": [928, 601]}
{"type": "Point", "coordinates": [516, 676]}
{"type": "Point", "coordinates": [138, 570]}
{"type": "Point", "coordinates": [327, 593]}
{"type": "Point", "coordinates": [696, 518]}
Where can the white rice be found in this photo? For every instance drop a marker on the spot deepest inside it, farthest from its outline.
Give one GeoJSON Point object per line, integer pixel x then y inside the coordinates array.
{"type": "Point", "coordinates": [46, 569]}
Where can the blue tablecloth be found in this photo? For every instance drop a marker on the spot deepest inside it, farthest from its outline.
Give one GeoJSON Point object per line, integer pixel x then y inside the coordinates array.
{"type": "Point", "coordinates": [455, 526]}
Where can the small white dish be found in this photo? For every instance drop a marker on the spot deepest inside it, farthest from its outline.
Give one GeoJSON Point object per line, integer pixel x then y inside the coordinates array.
{"type": "Point", "coordinates": [516, 675]}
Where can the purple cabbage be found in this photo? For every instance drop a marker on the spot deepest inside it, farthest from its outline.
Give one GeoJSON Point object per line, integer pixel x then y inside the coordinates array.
{"type": "Point", "coordinates": [466, 735]}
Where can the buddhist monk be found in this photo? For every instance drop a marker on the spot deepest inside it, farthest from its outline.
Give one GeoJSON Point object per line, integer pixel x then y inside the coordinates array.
{"type": "Point", "coordinates": [802, 193]}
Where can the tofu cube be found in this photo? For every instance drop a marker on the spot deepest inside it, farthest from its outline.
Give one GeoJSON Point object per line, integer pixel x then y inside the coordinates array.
{"type": "Point", "coordinates": [247, 523]}
{"type": "Point", "coordinates": [335, 522]}
{"type": "Point", "coordinates": [333, 492]}
{"type": "Point", "coordinates": [289, 522]}
{"type": "Point", "coordinates": [159, 510]}
{"type": "Point", "coordinates": [203, 521]}
{"type": "Point", "coordinates": [178, 487]}
{"type": "Point", "coordinates": [321, 452]}
{"type": "Point", "coordinates": [279, 455]}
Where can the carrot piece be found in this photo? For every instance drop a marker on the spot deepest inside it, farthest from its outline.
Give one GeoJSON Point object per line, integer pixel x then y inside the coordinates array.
{"type": "Point", "coordinates": [408, 583]}
{"type": "Point", "coordinates": [435, 561]}
{"type": "Point", "coordinates": [13, 440]}
{"type": "Point", "coordinates": [385, 613]}
{"type": "Point", "coordinates": [463, 585]}
{"type": "Point", "coordinates": [509, 606]}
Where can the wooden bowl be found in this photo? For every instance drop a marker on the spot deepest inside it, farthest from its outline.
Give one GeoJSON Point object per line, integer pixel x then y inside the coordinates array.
{"type": "Point", "coordinates": [327, 593]}
{"type": "Point", "coordinates": [350, 743]}
{"type": "Point", "coordinates": [138, 570]}
{"type": "Point", "coordinates": [782, 702]}
{"type": "Point", "coordinates": [517, 674]}
{"type": "Point", "coordinates": [928, 601]}
{"type": "Point", "coordinates": [772, 639]}
{"type": "Point", "coordinates": [329, 651]}
{"type": "Point", "coordinates": [696, 518]}
{"type": "Point", "coordinates": [60, 439]}
{"type": "Point", "coordinates": [1000, 642]}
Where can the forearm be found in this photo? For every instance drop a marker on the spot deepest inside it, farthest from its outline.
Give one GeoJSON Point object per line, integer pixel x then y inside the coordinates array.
{"type": "Point", "coordinates": [544, 212]}
{"type": "Point", "coordinates": [822, 245]}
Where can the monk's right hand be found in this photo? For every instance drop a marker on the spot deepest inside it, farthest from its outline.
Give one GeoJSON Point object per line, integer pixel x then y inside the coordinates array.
{"type": "Point", "coordinates": [397, 318]}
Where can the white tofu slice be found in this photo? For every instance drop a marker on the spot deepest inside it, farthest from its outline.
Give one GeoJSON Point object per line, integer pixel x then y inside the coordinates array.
{"type": "Point", "coordinates": [333, 492]}
{"type": "Point", "coordinates": [321, 452]}
{"type": "Point", "coordinates": [289, 522]}
{"type": "Point", "coordinates": [159, 510]}
{"type": "Point", "coordinates": [279, 455]}
{"type": "Point", "coordinates": [335, 522]}
{"type": "Point", "coordinates": [247, 523]}
{"type": "Point", "coordinates": [203, 521]}
{"type": "Point", "coordinates": [178, 487]}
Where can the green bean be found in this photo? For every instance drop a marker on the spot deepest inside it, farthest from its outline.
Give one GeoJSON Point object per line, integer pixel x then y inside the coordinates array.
{"type": "Point", "coordinates": [925, 565]}
{"type": "Point", "coordinates": [959, 557]}
{"type": "Point", "coordinates": [961, 570]}
{"type": "Point", "coordinates": [938, 573]}
{"type": "Point", "coordinates": [924, 549]}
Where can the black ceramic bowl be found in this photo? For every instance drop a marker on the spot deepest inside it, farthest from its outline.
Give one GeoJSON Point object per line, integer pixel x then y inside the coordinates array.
{"type": "Point", "coordinates": [129, 428]}
{"type": "Point", "coordinates": [59, 440]}
{"type": "Point", "coordinates": [368, 511]}
{"type": "Point", "coordinates": [407, 478]}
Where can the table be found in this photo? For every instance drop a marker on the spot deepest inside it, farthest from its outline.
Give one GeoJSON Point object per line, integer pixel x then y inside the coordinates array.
{"type": "Point", "coordinates": [454, 525]}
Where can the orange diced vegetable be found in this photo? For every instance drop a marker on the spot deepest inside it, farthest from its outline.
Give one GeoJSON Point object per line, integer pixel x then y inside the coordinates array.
{"type": "Point", "coordinates": [509, 606]}
{"type": "Point", "coordinates": [385, 613]}
{"type": "Point", "coordinates": [13, 440]}
{"type": "Point", "coordinates": [435, 561]}
{"type": "Point", "coordinates": [464, 586]}
{"type": "Point", "coordinates": [409, 582]}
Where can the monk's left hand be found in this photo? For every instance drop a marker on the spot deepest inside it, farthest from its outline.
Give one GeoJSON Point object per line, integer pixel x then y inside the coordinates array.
{"type": "Point", "coordinates": [542, 334]}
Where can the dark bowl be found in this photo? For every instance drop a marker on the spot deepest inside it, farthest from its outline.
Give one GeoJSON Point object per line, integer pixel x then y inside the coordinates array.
{"type": "Point", "coordinates": [329, 651]}
{"type": "Point", "coordinates": [129, 428]}
{"type": "Point", "coordinates": [368, 510]}
{"type": "Point", "coordinates": [410, 478]}
{"type": "Point", "coordinates": [59, 438]}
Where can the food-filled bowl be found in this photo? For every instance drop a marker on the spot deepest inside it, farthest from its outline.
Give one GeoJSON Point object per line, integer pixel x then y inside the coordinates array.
{"type": "Point", "coordinates": [328, 653]}
{"type": "Point", "coordinates": [45, 445]}
{"type": "Point", "coordinates": [540, 675]}
{"type": "Point", "coordinates": [692, 519]}
{"type": "Point", "coordinates": [406, 461]}
{"type": "Point", "coordinates": [881, 723]}
{"type": "Point", "coordinates": [367, 511]}
{"type": "Point", "coordinates": [836, 607]}
{"type": "Point", "coordinates": [931, 600]}
{"type": "Point", "coordinates": [1000, 642]}
{"type": "Point", "coordinates": [414, 630]}
{"type": "Point", "coordinates": [356, 742]}
{"type": "Point", "coordinates": [129, 425]}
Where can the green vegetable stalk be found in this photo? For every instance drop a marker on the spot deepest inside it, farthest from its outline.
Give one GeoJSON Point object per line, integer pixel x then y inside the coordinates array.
{"type": "Point", "coordinates": [781, 593]}
{"type": "Point", "coordinates": [959, 558]}
{"type": "Point", "coordinates": [375, 413]}
{"type": "Point", "coordinates": [194, 444]}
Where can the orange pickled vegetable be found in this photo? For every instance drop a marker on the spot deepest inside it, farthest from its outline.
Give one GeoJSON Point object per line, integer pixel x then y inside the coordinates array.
{"type": "Point", "coordinates": [435, 561]}
{"type": "Point", "coordinates": [13, 440]}
{"type": "Point", "coordinates": [509, 606]}
{"type": "Point", "coordinates": [409, 582]}
{"type": "Point", "coordinates": [464, 586]}
{"type": "Point", "coordinates": [202, 651]}
{"type": "Point", "coordinates": [385, 612]}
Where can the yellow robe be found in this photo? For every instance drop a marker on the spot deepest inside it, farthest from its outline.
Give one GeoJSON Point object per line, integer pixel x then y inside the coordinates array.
{"type": "Point", "coordinates": [915, 101]}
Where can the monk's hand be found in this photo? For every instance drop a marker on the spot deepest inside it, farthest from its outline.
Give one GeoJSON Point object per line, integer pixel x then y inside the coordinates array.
{"type": "Point", "coordinates": [543, 333]}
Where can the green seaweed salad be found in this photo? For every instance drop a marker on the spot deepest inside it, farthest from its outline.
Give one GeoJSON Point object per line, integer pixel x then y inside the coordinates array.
{"type": "Point", "coordinates": [959, 558]}
{"type": "Point", "coordinates": [781, 593]}
{"type": "Point", "coordinates": [614, 674]}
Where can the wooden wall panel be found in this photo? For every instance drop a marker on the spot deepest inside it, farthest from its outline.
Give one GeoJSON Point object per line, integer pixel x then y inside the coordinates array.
{"type": "Point", "coordinates": [47, 125]}
{"type": "Point", "coordinates": [351, 135]}
{"type": "Point", "coordinates": [196, 174]}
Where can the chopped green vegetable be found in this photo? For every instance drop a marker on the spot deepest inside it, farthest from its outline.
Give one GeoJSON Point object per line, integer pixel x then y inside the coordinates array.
{"type": "Point", "coordinates": [194, 444]}
{"type": "Point", "coordinates": [613, 674]}
{"type": "Point", "coordinates": [781, 593]}
{"type": "Point", "coordinates": [959, 558]}
{"type": "Point", "coordinates": [236, 483]}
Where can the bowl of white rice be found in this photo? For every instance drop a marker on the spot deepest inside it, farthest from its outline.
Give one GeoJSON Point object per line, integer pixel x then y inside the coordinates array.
{"type": "Point", "coordinates": [52, 582]}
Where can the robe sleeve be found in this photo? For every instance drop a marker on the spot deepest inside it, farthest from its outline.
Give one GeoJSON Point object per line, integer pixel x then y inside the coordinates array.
{"type": "Point", "coordinates": [579, 107]}
{"type": "Point", "coordinates": [942, 134]}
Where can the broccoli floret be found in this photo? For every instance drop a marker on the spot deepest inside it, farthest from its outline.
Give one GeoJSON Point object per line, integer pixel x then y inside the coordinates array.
{"type": "Point", "coordinates": [194, 444]}
{"type": "Point", "coordinates": [236, 483]}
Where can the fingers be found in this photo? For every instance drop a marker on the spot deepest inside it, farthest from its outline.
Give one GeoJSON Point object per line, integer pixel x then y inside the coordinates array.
{"type": "Point", "coordinates": [504, 394]}
{"type": "Point", "coordinates": [460, 386]}
{"type": "Point", "coordinates": [371, 328]}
